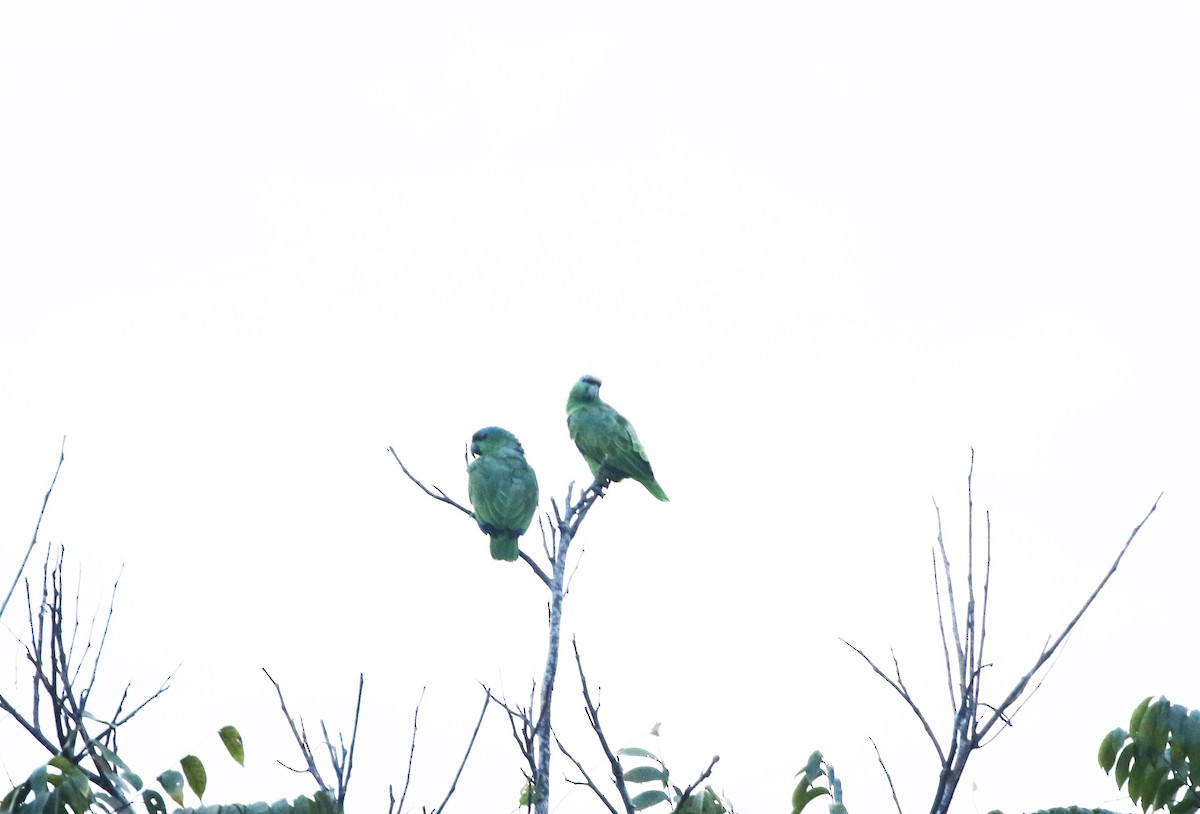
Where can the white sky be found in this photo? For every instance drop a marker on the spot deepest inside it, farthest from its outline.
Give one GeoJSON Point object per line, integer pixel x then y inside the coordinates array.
{"type": "Point", "coordinates": [816, 251]}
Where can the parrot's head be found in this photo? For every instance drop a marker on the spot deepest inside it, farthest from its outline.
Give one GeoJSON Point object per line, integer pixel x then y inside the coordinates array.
{"type": "Point", "coordinates": [492, 439]}
{"type": "Point", "coordinates": [586, 389]}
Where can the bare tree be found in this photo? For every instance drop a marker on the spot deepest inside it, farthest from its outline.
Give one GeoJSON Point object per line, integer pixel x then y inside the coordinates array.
{"type": "Point", "coordinates": [65, 659]}
{"type": "Point", "coordinates": [974, 719]}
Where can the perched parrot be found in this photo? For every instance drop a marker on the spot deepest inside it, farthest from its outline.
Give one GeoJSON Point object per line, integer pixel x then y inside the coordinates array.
{"type": "Point", "coordinates": [502, 488]}
{"type": "Point", "coordinates": [607, 441]}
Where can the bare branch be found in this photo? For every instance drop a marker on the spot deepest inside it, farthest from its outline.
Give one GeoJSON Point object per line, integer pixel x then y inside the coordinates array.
{"type": "Point", "coordinates": [958, 647]}
{"type": "Point", "coordinates": [524, 736]}
{"type": "Point", "coordinates": [36, 528]}
{"type": "Point", "coordinates": [104, 635]}
{"type": "Point", "coordinates": [937, 595]}
{"type": "Point", "coordinates": [1048, 652]}
{"type": "Point", "coordinates": [587, 779]}
{"type": "Point", "coordinates": [886, 774]}
{"type": "Point", "coordinates": [903, 694]}
{"type": "Point", "coordinates": [301, 740]}
{"type": "Point", "coordinates": [487, 695]}
{"type": "Point", "coordinates": [696, 783]}
{"type": "Point", "coordinates": [987, 581]}
{"type": "Point", "coordinates": [593, 714]}
{"type": "Point", "coordinates": [968, 666]}
{"type": "Point", "coordinates": [532, 564]}
{"type": "Point", "coordinates": [348, 766]}
{"type": "Point", "coordinates": [412, 749]}
{"type": "Point", "coordinates": [436, 493]}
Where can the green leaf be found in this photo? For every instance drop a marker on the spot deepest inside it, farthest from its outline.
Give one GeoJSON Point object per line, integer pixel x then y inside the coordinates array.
{"type": "Point", "coordinates": [324, 803]}
{"type": "Point", "coordinates": [172, 783]}
{"type": "Point", "coordinates": [1176, 715]}
{"type": "Point", "coordinates": [1154, 726]}
{"type": "Point", "coordinates": [1166, 792]}
{"type": "Point", "coordinates": [1109, 747]}
{"type": "Point", "coordinates": [633, 751]}
{"type": "Point", "coordinates": [712, 803]}
{"type": "Point", "coordinates": [645, 774]}
{"type": "Point", "coordinates": [1189, 739]}
{"type": "Point", "coordinates": [649, 798]}
{"type": "Point", "coordinates": [193, 770]}
{"type": "Point", "coordinates": [233, 743]}
{"type": "Point", "coordinates": [802, 798]}
{"type": "Point", "coordinates": [1135, 720]}
{"type": "Point", "coordinates": [15, 799]}
{"type": "Point", "coordinates": [126, 773]}
{"type": "Point", "coordinates": [813, 768]}
{"type": "Point", "coordinates": [654, 729]}
{"type": "Point", "coordinates": [154, 801]}
{"type": "Point", "coordinates": [528, 795]}
{"type": "Point", "coordinates": [76, 791]}
{"type": "Point", "coordinates": [1153, 779]}
{"type": "Point", "coordinates": [1123, 761]}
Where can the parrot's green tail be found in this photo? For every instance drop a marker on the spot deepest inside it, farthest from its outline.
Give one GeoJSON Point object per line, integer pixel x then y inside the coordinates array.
{"type": "Point", "coordinates": [653, 488]}
{"type": "Point", "coordinates": [504, 548]}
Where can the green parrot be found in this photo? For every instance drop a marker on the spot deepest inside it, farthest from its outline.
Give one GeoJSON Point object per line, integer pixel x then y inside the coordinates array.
{"type": "Point", "coordinates": [502, 488]}
{"type": "Point", "coordinates": [606, 439]}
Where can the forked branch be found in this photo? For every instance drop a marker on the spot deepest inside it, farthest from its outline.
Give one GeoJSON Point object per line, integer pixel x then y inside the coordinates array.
{"type": "Point", "coordinates": [973, 719]}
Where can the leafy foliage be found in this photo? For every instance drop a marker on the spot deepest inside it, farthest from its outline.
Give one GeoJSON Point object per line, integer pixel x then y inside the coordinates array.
{"type": "Point", "coordinates": [55, 788]}
{"type": "Point", "coordinates": [683, 800]}
{"type": "Point", "coordinates": [319, 803]}
{"type": "Point", "coordinates": [817, 770]}
{"type": "Point", "coordinates": [61, 785]}
{"type": "Point", "coordinates": [1158, 759]}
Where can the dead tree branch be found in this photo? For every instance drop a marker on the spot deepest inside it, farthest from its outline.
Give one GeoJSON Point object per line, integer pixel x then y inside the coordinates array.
{"type": "Point", "coordinates": [57, 671]}
{"type": "Point", "coordinates": [36, 528]}
{"type": "Point", "coordinates": [487, 695]}
{"type": "Point", "coordinates": [412, 749]}
{"type": "Point", "coordinates": [593, 715]}
{"type": "Point", "coordinates": [888, 775]}
{"type": "Point", "coordinates": [971, 720]}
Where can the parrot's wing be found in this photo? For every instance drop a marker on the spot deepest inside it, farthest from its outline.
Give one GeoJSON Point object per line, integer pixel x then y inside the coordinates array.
{"type": "Point", "coordinates": [609, 443]}
{"type": "Point", "coordinates": [504, 491]}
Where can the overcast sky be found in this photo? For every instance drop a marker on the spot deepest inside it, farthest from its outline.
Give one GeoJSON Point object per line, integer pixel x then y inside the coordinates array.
{"type": "Point", "coordinates": [816, 251]}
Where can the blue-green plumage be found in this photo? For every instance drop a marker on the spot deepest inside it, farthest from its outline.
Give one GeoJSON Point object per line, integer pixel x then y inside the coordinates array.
{"type": "Point", "coordinates": [502, 488]}
{"type": "Point", "coordinates": [606, 438]}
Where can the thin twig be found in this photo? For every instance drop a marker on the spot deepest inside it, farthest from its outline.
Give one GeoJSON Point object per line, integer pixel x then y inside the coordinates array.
{"type": "Point", "coordinates": [301, 740]}
{"type": "Point", "coordinates": [593, 714]}
{"type": "Point", "coordinates": [487, 696]}
{"type": "Point", "coordinates": [967, 667]}
{"type": "Point", "coordinates": [696, 783]}
{"type": "Point", "coordinates": [1048, 652]}
{"type": "Point", "coordinates": [41, 514]}
{"type": "Point", "coordinates": [987, 581]}
{"type": "Point", "coordinates": [344, 782]}
{"type": "Point", "coordinates": [937, 595]}
{"type": "Point", "coordinates": [886, 774]}
{"type": "Point", "coordinates": [412, 749]}
{"type": "Point", "coordinates": [587, 779]}
{"type": "Point", "coordinates": [958, 647]}
{"type": "Point", "coordinates": [436, 493]}
{"type": "Point", "coordinates": [104, 635]}
{"type": "Point", "coordinates": [903, 694]}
